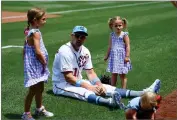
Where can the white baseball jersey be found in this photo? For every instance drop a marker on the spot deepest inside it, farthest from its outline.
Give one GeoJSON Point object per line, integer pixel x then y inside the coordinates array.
{"type": "Point", "coordinates": [67, 59]}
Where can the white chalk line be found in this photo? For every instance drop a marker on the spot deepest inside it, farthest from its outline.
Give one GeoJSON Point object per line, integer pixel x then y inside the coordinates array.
{"type": "Point", "coordinates": [14, 17]}
{"type": "Point", "coordinates": [79, 10]}
{"type": "Point", "coordinates": [11, 46]}
{"type": "Point", "coordinates": [100, 8]}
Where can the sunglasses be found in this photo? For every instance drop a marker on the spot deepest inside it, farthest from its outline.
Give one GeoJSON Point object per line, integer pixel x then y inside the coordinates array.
{"type": "Point", "coordinates": [78, 36]}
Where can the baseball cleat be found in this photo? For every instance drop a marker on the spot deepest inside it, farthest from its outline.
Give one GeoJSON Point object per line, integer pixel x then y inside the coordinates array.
{"type": "Point", "coordinates": [155, 87]}
{"type": "Point", "coordinates": [115, 101]}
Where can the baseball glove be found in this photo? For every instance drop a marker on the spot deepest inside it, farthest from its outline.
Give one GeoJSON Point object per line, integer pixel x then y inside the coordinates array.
{"type": "Point", "coordinates": [105, 79]}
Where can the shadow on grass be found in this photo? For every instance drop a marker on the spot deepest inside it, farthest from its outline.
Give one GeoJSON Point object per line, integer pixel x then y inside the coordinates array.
{"type": "Point", "coordinates": [50, 92]}
{"type": "Point", "coordinates": [13, 116]}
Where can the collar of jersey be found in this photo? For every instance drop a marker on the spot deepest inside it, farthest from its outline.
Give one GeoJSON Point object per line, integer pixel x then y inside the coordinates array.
{"type": "Point", "coordinates": [76, 52]}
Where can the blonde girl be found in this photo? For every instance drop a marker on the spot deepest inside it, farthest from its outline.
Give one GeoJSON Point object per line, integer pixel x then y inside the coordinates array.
{"type": "Point", "coordinates": [143, 107]}
{"type": "Point", "coordinates": [118, 51]}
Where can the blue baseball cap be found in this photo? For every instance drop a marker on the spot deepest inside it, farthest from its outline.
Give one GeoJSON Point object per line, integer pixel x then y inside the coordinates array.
{"type": "Point", "coordinates": [80, 30]}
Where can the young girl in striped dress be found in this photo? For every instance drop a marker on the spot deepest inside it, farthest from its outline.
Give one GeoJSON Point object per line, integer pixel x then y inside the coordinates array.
{"type": "Point", "coordinates": [118, 51]}
{"type": "Point", "coordinates": [35, 63]}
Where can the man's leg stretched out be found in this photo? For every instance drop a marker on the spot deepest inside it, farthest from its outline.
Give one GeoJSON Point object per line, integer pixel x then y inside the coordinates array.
{"type": "Point", "coordinates": [155, 87]}
{"type": "Point", "coordinates": [114, 100]}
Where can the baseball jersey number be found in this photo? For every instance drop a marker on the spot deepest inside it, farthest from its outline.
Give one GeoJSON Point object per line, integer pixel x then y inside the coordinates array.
{"type": "Point", "coordinates": [75, 72]}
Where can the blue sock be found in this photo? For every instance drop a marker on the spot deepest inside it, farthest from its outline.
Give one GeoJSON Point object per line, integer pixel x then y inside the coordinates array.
{"type": "Point", "coordinates": [98, 100]}
{"type": "Point", "coordinates": [93, 98]}
{"type": "Point", "coordinates": [122, 92]}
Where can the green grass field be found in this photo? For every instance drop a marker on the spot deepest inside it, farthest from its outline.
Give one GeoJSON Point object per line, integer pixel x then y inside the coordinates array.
{"type": "Point", "coordinates": [152, 31]}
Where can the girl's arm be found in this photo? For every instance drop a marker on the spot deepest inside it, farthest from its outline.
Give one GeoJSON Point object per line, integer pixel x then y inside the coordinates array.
{"type": "Point", "coordinates": [127, 45]}
{"type": "Point", "coordinates": [36, 39]}
{"type": "Point", "coordinates": [153, 116]}
{"type": "Point", "coordinates": [23, 48]}
{"type": "Point", "coordinates": [109, 48]}
{"type": "Point", "coordinates": [131, 114]}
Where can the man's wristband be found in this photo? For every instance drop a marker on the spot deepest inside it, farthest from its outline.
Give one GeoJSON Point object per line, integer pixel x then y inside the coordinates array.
{"type": "Point", "coordinates": [94, 80]}
{"type": "Point", "coordinates": [78, 83]}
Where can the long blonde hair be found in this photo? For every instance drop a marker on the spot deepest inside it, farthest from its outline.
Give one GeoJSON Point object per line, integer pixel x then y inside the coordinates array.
{"type": "Point", "coordinates": [149, 100]}
{"type": "Point", "coordinates": [113, 19]}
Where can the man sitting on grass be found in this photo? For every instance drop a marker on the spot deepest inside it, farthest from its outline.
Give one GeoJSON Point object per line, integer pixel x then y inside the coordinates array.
{"type": "Point", "coordinates": [70, 60]}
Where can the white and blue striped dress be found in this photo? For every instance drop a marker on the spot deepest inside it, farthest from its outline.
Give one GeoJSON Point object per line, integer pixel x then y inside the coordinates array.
{"type": "Point", "coordinates": [117, 54]}
{"type": "Point", "coordinates": [33, 69]}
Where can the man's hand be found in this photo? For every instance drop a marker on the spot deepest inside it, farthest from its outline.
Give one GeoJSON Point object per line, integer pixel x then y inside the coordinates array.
{"type": "Point", "coordinates": [98, 90]}
{"type": "Point", "coordinates": [94, 88]}
{"type": "Point", "coordinates": [102, 90]}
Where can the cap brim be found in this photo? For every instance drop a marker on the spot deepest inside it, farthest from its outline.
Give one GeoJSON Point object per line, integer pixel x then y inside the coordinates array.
{"type": "Point", "coordinates": [81, 33]}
